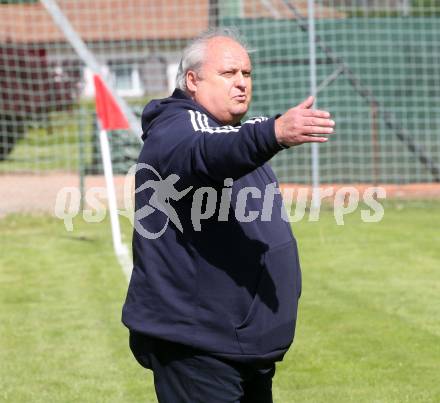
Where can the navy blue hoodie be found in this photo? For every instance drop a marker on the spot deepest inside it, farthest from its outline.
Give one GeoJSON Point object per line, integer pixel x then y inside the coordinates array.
{"type": "Point", "coordinates": [231, 286]}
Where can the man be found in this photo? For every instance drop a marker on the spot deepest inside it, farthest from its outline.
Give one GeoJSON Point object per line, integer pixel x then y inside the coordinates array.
{"type": "Point", "coordinates": [212, 302]}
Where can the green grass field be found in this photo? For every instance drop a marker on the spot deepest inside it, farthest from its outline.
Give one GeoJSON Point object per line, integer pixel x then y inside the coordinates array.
{"type": "Point", "coordinates": [368, 331]}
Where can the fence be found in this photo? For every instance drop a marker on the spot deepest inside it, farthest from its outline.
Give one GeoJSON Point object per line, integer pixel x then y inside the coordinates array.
{"type": "Point", "coordinates": [377, 70]}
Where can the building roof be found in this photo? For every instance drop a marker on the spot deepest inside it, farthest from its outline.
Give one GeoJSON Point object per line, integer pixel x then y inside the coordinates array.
{"type": "Point", "coordinates": [279, 10]}
{"type": "Point", "coordinates": [106, 20]}
{"type": "Point", "coordinates": [123, 20]}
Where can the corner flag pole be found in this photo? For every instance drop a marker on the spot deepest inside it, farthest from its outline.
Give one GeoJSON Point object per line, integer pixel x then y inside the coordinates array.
{"type": "Point", "coordinates": [111, 117]}
{"type": "Point", "coordinates": [111, 193]}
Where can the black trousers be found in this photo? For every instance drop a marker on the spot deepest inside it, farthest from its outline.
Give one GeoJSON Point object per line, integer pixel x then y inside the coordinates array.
{"type": "Point", "coordinates": [185, 375]}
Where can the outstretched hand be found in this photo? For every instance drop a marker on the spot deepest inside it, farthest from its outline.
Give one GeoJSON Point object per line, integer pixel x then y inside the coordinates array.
{"type": "Point", "coordinates": [302, 124]}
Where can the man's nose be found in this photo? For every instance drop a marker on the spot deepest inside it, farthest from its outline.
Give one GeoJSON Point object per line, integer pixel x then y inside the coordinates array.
{"type": "Point", "coordinates": [240, 81]}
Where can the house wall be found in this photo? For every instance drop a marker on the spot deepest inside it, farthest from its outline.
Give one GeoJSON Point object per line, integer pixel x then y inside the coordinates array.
{"type": "Point", "coordinates": [136, 70]}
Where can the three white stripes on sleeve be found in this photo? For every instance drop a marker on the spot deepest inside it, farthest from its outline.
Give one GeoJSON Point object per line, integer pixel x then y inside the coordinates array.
{"type": "Point", "coordinates": [200, 123]}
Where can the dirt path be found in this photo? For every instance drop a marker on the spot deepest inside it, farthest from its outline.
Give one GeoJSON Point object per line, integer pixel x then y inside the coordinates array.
{"type": "Point", "coordinates": [38, 193]}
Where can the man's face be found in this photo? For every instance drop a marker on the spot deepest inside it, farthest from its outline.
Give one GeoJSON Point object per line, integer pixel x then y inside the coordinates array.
{"type": "Point", "coordinates": [223, 85]}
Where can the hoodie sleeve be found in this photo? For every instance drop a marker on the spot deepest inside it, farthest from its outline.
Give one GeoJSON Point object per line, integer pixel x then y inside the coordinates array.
{"type": "Point", "coordinates": [186, 145]}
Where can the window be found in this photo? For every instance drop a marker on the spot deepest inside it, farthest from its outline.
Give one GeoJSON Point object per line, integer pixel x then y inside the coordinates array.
{"type": "Point", "coordinates": [126, 78]}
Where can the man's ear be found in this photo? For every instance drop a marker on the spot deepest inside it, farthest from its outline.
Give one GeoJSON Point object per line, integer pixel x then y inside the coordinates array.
{"type": "Point", "coordinates": [191, 81]}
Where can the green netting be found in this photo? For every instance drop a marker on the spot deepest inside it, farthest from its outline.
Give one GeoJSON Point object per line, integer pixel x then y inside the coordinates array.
{"type": "Point", "coordinates": [396, 60]}
{"type": "Point", "coordinates": [391, 47]}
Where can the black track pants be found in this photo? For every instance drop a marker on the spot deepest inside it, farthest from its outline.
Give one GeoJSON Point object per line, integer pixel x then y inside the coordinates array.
{"type": "Point", "coordinates": [185, 375]}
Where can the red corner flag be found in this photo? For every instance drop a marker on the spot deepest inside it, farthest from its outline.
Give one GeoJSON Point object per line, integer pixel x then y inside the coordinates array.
{"type": "Point", "coordinates": [109, 113]}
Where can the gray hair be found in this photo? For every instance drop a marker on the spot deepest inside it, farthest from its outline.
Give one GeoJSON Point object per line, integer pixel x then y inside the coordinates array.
{"type": "Point", "coordinates": [194, 53]}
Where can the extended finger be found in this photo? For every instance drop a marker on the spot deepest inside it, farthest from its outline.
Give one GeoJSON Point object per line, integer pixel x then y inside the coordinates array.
{"type": "Point", "coordinates": [315, 113]}
{"type": "Point", "coordinates": [318, 122]}
{"type": "Point", "coordinates": [313, 139]}
{"type": "Point", "coordinates": [313, 130]}
{"type": "Point", "coordinates": [307, 103]}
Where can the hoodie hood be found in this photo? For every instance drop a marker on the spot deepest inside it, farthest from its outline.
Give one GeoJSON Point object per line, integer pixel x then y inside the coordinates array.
{"type": "Point", "coordinates": [163, 107]}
